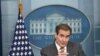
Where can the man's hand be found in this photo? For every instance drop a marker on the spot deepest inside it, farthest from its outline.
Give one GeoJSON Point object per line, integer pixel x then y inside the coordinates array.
{"type": "Point", "coordinates": [62, 54]}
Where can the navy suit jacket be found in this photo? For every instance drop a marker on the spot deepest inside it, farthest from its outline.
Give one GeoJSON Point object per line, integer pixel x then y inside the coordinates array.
{"type": "Point", "coordinates": [72, 48]}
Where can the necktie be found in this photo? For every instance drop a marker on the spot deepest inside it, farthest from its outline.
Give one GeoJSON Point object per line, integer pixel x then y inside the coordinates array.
{"type": "Point", "coordinates": [62, 49]}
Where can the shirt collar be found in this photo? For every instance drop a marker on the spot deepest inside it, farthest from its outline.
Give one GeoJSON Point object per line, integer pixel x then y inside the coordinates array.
{"type": "Point", "coordinates": [58, 47]}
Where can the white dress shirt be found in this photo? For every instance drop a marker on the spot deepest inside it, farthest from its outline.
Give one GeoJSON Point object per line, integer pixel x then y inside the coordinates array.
{"type": "Point", "coordinates": [58, 48]}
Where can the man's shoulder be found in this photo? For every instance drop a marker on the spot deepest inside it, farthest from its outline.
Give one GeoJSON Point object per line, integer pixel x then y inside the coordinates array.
{"type": "Point", "coordinates": [72, 44]}
{"type": "Point", "coordinates": [49, 50]}
{"type": "Point", "coordinates": [49, 47]}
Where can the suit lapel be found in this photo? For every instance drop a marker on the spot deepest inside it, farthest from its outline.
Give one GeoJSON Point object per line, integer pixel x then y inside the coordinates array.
{"type": "Point", "coordinates": [55, 52]}
{"type": "Point", "coordinates": [69, 49]}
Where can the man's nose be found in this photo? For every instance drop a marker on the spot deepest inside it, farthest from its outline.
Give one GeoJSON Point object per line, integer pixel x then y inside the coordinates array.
{"type": "Point", "coordinates": [64, 39]}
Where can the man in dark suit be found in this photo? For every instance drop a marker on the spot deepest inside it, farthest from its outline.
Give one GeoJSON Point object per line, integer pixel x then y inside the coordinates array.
{"type": "Point", "coordinates": [62, 46]}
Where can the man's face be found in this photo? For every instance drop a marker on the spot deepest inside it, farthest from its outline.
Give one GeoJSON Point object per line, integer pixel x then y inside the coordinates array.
{"type": "Point", "coordinates": [62, 37]}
